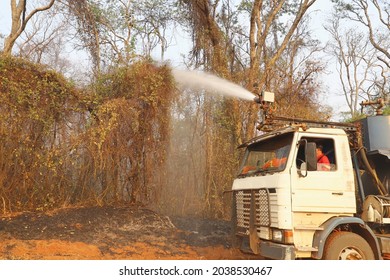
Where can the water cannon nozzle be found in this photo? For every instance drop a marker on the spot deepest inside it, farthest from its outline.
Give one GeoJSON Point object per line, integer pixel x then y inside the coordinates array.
{"type": "Point", "coordinates": [264, 97]}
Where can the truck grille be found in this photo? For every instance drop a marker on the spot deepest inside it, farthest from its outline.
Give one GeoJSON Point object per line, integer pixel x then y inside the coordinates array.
{"type": "Point", "coordinates": [243, 205]}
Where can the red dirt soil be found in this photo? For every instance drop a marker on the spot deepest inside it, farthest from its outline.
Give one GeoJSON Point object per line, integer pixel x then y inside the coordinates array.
{"type": "Point", "coordinates": [109, 233]}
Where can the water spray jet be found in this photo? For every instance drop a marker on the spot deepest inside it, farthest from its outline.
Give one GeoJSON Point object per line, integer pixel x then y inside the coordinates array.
{"type": "Point", "coordinates": [204, 81]}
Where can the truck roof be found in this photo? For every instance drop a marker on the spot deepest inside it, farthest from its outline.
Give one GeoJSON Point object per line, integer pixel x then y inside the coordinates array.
{"type": "Point", "coordinates": [294, 128]}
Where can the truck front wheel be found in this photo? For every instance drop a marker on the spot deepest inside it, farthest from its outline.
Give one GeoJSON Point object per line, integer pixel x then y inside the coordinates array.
{"type": "Point", "coordinates": [347, 246]}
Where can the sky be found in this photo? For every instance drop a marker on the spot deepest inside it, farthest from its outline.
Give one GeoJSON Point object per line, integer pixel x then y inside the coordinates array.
{"type": "Point", "coordinates": [320, 11]}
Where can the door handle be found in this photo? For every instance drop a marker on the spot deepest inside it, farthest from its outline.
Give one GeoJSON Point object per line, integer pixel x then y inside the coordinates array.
{"type": "Point", "coordinates": [337, 193]}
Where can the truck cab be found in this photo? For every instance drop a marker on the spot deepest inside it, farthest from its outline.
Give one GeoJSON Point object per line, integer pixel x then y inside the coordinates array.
{"type": "Point", "coordinates": [287, 206]}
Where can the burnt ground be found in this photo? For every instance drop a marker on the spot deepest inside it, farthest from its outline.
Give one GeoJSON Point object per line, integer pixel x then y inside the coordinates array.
{"type": "Point", "coordinates": [114, 233]}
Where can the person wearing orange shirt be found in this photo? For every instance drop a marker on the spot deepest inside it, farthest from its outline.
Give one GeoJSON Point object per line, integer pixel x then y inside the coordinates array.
{"type": "Point", "coordinates": [323, 163]}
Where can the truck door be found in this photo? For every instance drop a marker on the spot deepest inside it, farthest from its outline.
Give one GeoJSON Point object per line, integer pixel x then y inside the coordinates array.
{"type": "Point", "coordinates": [325, 190]}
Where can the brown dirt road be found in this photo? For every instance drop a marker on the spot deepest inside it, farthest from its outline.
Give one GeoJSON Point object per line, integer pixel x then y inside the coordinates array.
{"type": "Point", "coordinates": [114, 233]}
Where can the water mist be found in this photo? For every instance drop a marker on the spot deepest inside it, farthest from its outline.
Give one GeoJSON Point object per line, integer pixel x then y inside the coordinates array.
{"type": "Point", "coordinates": [203, 81]}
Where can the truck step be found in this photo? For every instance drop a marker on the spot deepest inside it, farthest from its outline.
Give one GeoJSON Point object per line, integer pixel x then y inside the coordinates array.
{"type": "Point", "coordinates": [303, 227]}
{"type": "Point", "coordinates": [307, 249]}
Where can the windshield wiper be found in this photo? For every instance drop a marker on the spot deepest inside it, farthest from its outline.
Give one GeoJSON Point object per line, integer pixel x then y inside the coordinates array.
{"type": "Point", "coordinates": [266, 170]}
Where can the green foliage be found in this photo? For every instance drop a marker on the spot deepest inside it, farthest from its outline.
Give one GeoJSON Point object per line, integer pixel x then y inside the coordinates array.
{"type": "Point", "coordinates": [246, 6]}
{"type": "Point", "coordinates": [355, 118]}
{"type": "Point", "coordinates": [343, 7]}
{"type": "Point", "coordinates": [359, 116]}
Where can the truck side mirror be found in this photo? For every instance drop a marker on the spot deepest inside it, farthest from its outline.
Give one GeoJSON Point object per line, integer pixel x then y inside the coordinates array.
{"type": "Point", "coordinates": [303, 170]}
{"type": "Point", "coordinates": [311, 156]}
{"type": "Point", "coordinates": [310, 161]}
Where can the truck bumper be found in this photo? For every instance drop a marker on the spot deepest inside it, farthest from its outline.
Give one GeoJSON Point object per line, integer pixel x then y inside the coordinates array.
{"type": "Point", "coordinates": [276, 251]}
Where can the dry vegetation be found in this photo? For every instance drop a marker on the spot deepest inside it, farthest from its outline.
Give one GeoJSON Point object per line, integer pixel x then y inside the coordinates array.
{"type": "Point", "coordinates": [62, 146]}
{"type": "Point", "coordinates": [129, 137]}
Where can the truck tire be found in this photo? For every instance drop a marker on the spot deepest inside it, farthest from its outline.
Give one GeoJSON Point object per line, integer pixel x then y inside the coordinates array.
{"type": "Point", "coordinates": [344, 245]}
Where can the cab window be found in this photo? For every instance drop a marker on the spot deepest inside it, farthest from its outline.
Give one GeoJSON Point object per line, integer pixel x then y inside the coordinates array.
{"type": "Point", "coordinates": [326, 158]}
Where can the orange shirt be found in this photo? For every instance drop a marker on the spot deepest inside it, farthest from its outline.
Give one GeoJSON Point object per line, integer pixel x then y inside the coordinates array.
{"type": "Point", "coordinates": [323, 163]}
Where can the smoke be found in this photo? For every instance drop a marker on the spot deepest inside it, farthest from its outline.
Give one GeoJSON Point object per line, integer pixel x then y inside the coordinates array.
{"type": "Point", "coordinates": [203, 81]}
{"type": "Point", "coordinates": [183, 192]}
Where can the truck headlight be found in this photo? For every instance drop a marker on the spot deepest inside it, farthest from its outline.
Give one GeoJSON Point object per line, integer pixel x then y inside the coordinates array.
{"type": "Point", "coordinates": [282, 236]}
{"type": "Point", "coordinates": [277, 235]}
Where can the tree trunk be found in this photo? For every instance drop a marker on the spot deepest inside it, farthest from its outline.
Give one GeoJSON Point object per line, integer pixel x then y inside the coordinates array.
{"type": "Point", "coordinates": [19, 22]}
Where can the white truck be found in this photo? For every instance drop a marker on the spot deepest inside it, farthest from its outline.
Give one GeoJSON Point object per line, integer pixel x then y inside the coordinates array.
{"type": "Point", "coordinates": [285, 207]}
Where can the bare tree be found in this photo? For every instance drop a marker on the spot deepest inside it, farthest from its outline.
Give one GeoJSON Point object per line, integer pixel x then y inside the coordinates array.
{"type": "Point", "coordinates": [246, 54]}
{"type": "Point", "coordinates": [152, 20]}
{"type": "Point", "coordinates": [264, 16]}
{"type": "Point", "coordinates": [295, 79]}
{"type": "Point", "coordinates": [362, 74]}
{"type": "Point", "coordinates": [116, 32]}
{"type": "Point", "coordinates": [20, 18]}
{"type": "Point", "coordinates": [351, 55]}
{"type": "Point", "coordinates": [87, 25]}
{"type": "Point", "coordinates": [45, 38]}
{"type": "Point", "coordinates": [375, 16]}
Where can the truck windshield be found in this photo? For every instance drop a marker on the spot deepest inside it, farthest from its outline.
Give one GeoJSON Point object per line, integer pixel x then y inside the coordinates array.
{"type": "Point", "coordinates": [266, 156]}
